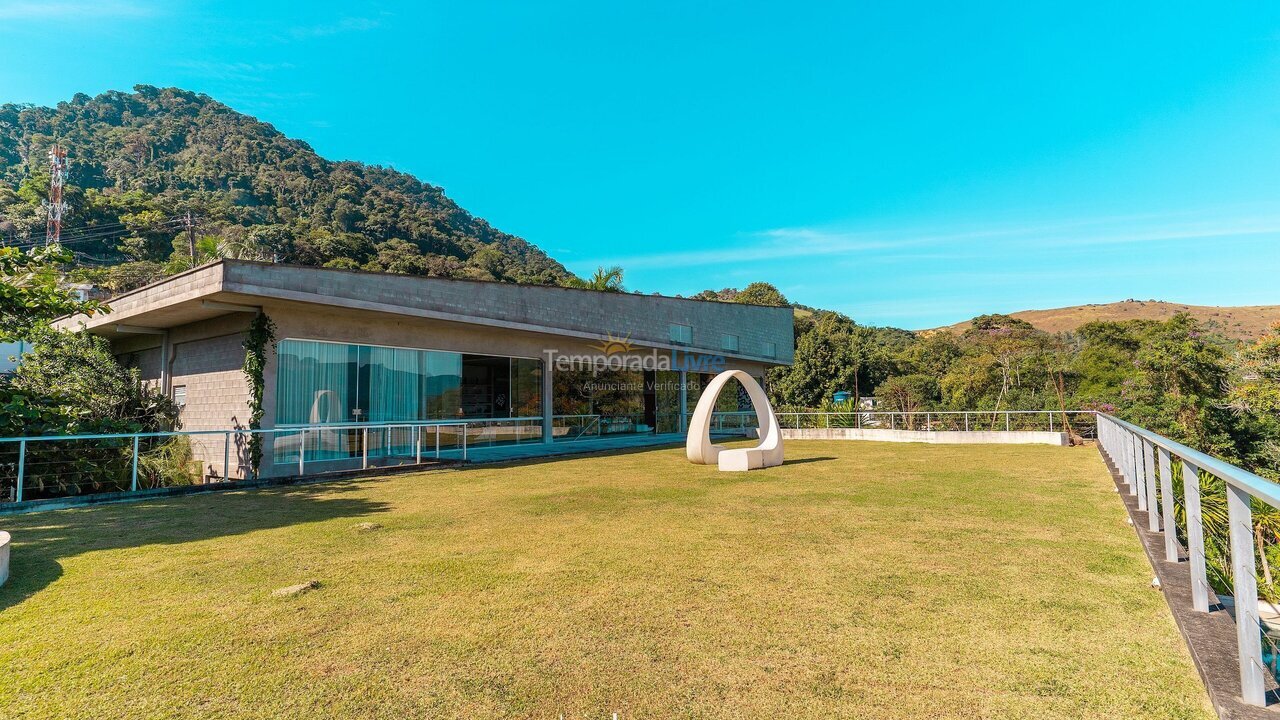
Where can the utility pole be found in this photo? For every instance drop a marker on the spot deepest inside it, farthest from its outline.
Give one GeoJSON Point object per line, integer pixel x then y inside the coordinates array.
{"type": "Point", "coordinates": [55, 205]}
{"type": "Point", "coordinates": [191, 236]}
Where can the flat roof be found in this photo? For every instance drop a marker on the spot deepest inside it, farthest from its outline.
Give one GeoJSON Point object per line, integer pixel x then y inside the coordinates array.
{"type": "Point", "coordinates": [229, 286]}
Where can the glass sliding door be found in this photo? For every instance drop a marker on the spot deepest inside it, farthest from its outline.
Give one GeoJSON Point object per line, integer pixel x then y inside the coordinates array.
{"type": "Point", "coordinates": [668, 401]}
{"type": "Point", "coordinates": [316, 385]}
{"type": "Point", "coordinates": [394, 376]}
{"type": "Point", "coordinates": [323, 383]}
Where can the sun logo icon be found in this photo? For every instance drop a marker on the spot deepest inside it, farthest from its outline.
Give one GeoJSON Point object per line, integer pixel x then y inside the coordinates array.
{"type": "Point", "coordinates": [614, 345]}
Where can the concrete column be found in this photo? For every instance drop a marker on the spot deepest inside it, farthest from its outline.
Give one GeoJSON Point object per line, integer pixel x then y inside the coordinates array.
{"type": "Point", "coordinates": [548, 402]}
{"type": "Point", "coordinates": [684, 402]}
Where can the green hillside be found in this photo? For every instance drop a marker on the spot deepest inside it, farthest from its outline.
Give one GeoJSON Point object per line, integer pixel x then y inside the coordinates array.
{"type": "Point", "coordinates": [138, 162]}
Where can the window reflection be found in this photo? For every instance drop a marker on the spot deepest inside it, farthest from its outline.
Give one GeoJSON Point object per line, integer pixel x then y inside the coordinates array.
{"type": "Point", "coordinates": [323, 382]}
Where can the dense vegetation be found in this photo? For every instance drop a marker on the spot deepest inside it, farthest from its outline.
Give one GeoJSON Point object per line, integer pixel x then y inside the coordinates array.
{"type": "Point", "coordinates": [1179, 377]}
{"type": "Point", "coordinates": [70, 383]}
{"type": "Point", "coordinates": [138, 162]}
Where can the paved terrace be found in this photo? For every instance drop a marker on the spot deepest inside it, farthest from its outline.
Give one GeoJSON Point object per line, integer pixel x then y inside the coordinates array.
{"type": "Point", "coordinates": [859, 580]}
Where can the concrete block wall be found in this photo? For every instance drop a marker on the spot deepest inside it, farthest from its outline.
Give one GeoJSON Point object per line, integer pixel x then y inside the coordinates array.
{"type": "Point", "coordinates": [147, 362]}
{"type": "Point", "coordinates": [217, 396]}
{"type": "Point", "coordinates": [207, 357]}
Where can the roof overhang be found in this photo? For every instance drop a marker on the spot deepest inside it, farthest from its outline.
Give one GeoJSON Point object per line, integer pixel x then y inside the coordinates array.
{"type": "Point", "coordinates": [227, 287]}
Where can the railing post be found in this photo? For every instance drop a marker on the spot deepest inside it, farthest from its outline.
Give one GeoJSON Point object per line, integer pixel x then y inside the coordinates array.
{"type": "Point", "coordinates": [22, 468]}
{"type": "Point", "coordinates": [826, 421]}
{"type": "Point", "coordinates": [1135, 465]}
{"type": "Point", "coordinates": [417, 445]}
{"type": "Point", "coordinates": [1195, 537]}
{"type": "Point", "coordinates": [1248, 626]}
{"type": "Point", "coordinates": [302, 452]}
{"type": "Point", "coordinates": [1153, 503]}
{"type": "Point", "coordinates": [437, 441]}
{"type": "Point", "coordinates": [1051, 422]}
{"type": "Point", "coordinates": [1006, 421]}
{"type": "Point", "coordinates": [226, 456]}
{"type": "Point", "coordinates": [966, 422]}
{"type": "Point", "coordinates": [364, 448]}
{"type": "Point", "coordinates": [133, 485]}
{"type": "Point", "coordinates": [464, 442]}
{"type": "Point", "coordinates": [1166, 507]}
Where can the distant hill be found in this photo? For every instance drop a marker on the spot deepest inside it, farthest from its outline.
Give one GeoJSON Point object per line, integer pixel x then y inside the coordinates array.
{"type": "Point", "coordinates": [1241, 322]}
{"type": "Point", "coordinates": [138, 162]}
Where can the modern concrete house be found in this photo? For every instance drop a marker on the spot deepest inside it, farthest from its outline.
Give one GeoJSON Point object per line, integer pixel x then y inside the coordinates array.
{"type": "Point", "coordinates": [519, 363]}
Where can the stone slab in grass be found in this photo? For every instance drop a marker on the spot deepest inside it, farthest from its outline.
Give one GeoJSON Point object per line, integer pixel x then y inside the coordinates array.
{"type": "Point", "coordinates": [295, 590]}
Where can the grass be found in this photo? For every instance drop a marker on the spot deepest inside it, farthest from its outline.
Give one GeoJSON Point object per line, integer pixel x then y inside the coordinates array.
{"type": "Point", "coordinates": [860, 580]}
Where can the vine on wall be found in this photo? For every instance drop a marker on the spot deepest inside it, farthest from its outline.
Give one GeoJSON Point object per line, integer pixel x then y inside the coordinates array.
{"type": "Point", "coordinates": [258, 338]}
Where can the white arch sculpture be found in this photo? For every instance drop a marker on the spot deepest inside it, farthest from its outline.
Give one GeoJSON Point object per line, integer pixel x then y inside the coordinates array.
{"type": "Point", "coordinates": [698, 447]}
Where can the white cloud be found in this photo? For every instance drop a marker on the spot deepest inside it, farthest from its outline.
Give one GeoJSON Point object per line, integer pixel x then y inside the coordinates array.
{"type": "Point", "coordinates": [806, 242]}
{"type": "Point", "coordinates": [70, 11]}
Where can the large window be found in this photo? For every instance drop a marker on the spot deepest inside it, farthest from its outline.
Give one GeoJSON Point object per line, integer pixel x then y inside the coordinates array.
{"type": "Point", "coordinates": [323, 382]}
{"type": "Point", "coordinates": [319, 383]}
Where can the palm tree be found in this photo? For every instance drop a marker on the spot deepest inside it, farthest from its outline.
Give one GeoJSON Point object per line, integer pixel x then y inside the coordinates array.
{"type": "Point", "coordinates": [604, 280]}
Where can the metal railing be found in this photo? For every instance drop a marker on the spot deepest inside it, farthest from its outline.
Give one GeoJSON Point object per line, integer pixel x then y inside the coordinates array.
{"type": "Point", "coordinates": [1147, 463]}
{"type": "Point", "coordinates": [567, 428]}
{"type": "Point", "coordinates": [1081, 422]}
{"type": "Point", "coordinates": [49, 466]}
{"type": "Point", "coordinates": [728, 421]}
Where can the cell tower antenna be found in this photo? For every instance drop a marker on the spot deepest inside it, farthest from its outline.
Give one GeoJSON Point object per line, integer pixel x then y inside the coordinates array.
{"type": "Point", "coordinates": [55, 205]}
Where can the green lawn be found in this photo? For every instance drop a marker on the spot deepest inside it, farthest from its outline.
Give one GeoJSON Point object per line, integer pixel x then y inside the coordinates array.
{"type": "Point", "coordinates": [859, 580]}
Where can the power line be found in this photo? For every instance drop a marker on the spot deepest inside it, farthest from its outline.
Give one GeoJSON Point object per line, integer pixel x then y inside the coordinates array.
{"type": "Point", "coordinates": [97, 234]}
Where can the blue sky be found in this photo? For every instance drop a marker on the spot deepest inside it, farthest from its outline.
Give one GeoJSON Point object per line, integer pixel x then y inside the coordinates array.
{"type": "Point", "coordinates": [910, 164]}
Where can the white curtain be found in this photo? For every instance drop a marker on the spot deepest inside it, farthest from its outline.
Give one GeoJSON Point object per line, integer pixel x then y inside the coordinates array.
{"type": "Point", "coordinates": [312, 384]}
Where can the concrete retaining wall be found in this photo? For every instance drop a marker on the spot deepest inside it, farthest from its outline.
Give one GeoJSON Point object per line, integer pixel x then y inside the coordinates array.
{"type": "Point", "coordinates": [941, 437]}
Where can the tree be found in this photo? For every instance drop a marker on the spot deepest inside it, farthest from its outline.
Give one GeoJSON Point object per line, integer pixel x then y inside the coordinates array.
{"type": "Point", "coordinates": [1020, 352]}
{"type": "Point", "coordinates": [33, 290]}
{"type": "Point", "coordinates": [823, 364]}
{"type": "Point", "coordinates": [1255, 379]}
{"type": "Point", "coordinates": [1106, 359]}
{"type": "Point", "coordinates": [69, 382]}
{"type": "Point", "coordinates": [907, 394]}
{"type": "Point", "coordinates": [1177, 390]}
{"type": "Point", "coordinates": [761, 293]}
{"type": "Point", "coordinates": [604, 280]}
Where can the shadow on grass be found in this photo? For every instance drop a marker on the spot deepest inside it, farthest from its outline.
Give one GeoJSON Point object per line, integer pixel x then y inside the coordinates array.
{"type": "Point", "coordinates": [802, 461]}
{"type": "Point", "coordinates": [40, 540]}
{"type": "Point", "coordinates": [575, 454]}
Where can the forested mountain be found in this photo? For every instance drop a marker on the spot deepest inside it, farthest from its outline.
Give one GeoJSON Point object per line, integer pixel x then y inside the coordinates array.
{"type": "Point", "coordinates": [138, 162]}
